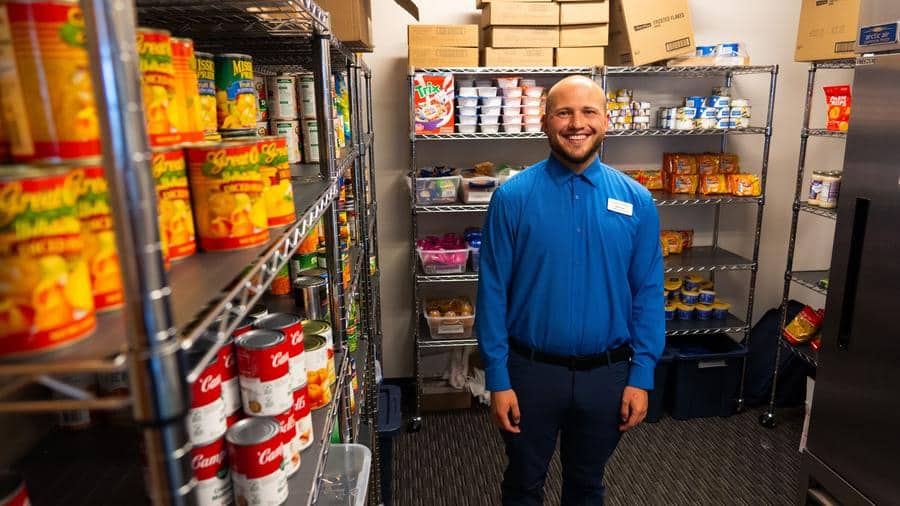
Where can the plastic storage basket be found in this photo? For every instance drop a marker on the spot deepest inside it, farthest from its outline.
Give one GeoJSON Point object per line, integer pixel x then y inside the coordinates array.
{"type": "Point", "coordinates": [450, 327]}
{"type": "Point", "coordinates": [660, 380]}
{"type": "Point", "coordinates": [706, 377]}
{"type": "Point", "coordinates": [436, 190]}
{"type": "Point", "coordinates": [451, 261]}
{"type": "Point", "coordinates": [478, 189]}
{"type": "Point", "coordinates": [345, 481]}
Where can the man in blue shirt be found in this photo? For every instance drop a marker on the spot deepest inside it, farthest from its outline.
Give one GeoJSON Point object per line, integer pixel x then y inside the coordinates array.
{"type": "Point", "coordinates": [570, 317]}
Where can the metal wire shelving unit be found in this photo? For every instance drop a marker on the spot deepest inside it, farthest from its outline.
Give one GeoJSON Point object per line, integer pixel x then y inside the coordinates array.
{"type": "Point", "coordinates": [166, 312]}
{"type": "Point", "coordinates": [809, 279]}
{"type": "Point", "coordinates": [711, 259]}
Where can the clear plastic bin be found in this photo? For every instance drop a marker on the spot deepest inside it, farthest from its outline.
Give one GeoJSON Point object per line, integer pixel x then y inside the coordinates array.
{"type": "Point", "coordinates": [452, 327]}
{"type": "Point", "coordinates": [345, 481]}
{"type": "Point", "coordinates": [478, 189]}
{"type": "Point", "coordinates": [450, 261]}
{"type": "Point", "coordinates": [437, 190]}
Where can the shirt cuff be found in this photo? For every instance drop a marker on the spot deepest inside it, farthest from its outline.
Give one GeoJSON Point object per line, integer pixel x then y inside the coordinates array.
{"type": "Point", "coordinates": [641, 376]}
{"type": "Point", "coordinates": [497, 378]}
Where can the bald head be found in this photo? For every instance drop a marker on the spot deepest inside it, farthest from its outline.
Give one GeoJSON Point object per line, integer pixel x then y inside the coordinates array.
{"type": "Point", "coordinates": [577, 85]}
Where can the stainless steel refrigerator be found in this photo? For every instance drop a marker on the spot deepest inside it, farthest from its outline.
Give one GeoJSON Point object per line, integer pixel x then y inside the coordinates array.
{"type": "Point", "coordinates": [853, 448]}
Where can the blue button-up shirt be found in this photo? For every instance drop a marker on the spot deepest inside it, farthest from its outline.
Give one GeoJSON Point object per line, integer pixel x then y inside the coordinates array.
{"type": "Point", "coordinates": [571, 264]}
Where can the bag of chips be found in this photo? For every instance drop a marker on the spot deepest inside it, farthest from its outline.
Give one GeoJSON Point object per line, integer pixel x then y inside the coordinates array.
{"type": "Point", "coordinates": [687, 238]}
{"type": "Point", "coordinates": [713, 184]}
{"type": "Point", "coordinates": [729, 163]}
{"type": "Point", "coordinates": [683, 184]}
{"type": "Point", "coordinates": [672, 240]}
{"type": "Point", "coordinates": [653, 180]}
{"type": "Point", "coordinates": [665, 247]}
{"type": "Point", "coordinates": [744, 185]}
{"type": "Point", "coordinates": [838, 99]}
{"type": "Point", "coordinates": [684, 164]}
{"type": "Point", "coordinates": [708, 163]}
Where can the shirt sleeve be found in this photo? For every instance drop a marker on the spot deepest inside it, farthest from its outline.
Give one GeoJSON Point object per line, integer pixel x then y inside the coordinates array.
{"type": "Point", "coordinates": [494, 275]}
{"type": "Point", "coordinates": [645, 276]}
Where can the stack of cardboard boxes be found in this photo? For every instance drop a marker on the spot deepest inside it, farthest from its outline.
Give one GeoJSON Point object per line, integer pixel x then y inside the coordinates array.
{"type": "Point", "coordinates": [443, 45]}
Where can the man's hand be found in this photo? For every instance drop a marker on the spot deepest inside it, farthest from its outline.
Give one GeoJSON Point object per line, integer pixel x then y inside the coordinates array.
{"type": "Point", "coordinates": [505, 410]}
{"type": "Point", "coordinates": [634, 407]}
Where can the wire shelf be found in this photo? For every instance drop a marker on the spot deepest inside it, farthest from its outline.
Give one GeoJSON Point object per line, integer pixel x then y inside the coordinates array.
{"type": "Point", "coordinates": [479, 136]}
{"type": "Point", "coordinates": [451, 208]}
{"type": "Point", "coordinates": [664, 199]}
{"type": "Point", "coordinates": [661, 132]}
{"type": "Point", "coordinates": [821, 132]}
{"type": "Point", "coordinates": [506, 70]}
{"type": "Point", "coordinates": [468, 277]}
{"type": "Point", "coordinates": [834, 64]}
{"type": "Point", "coordinates": [730, 325]}
{"type": "Point", "coordinates": [803, 351]}
{"type": "Point", "coordinates": [211, 19]}
{"type": "Point", "coordinates": [704, 71]}
{"type": "Point", "coordinates": [819, 211]}
{"type": "Point", "coordinates": [810, 279]}
{"type": "Point", "coordinates": [706, 259]}
{"type": "Point", "coordinates": [446, 343]}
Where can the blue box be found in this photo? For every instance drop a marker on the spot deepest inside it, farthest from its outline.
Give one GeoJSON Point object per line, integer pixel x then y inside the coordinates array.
{"type": "Point", "coordinates": [706, 376]}
{"type": "Point", "coordinates": [660, 380]}
{"type": "Point", "coordinates": [388, 424]}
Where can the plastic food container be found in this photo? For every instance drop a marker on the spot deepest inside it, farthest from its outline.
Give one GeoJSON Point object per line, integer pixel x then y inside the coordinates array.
{"type": "Point", "coordinates": [448, 261]}
{"type": "Point", "coordinates": [437, 190]}
{"type": "Point", "coordinates": [703, 312]}
{"type": "Point", "coordinates": [489, 129]}
{"type": "Point", "coordinates": [512, 92]}
{"type": "Point", "coordinates": [531, 101]}
{"type": "Point", "coordinates": [483, 83]}
{"type": "Point", "coordinates": [491, 102]}
{"type": "Point", "coordinates": [512, 119]}
{"type": "Point", "coordinates": [684, 312]}
{"type": "Point", "coordinates": [465, 83]}
{"type": "Point", "coordinates": [470, 110]}
{"type": "Point", "coordinates": [509, 110]}
{"type": "Point", "coordinates": [720, 310]}
{"type": "Point", "coordinates": [488, 119]}
{"type": "Point", "coordinates": [512, 127]}
{"type": "Point", "coordinates": [512, 101]}
{"type": "Point", "coordinates": [707, 296]}
{"type": "Point", "coordinates": [507, 82]}
{"type": "Point", "coordinates": [487, 91]}
{"type": "Point", "coordinates": [531, 110]}
{"type": "Point", "coordinates": [534, 91]}
{"type": "Point", "coordinates": [467, 101]}
{"type": "Point", "coordinates": [533, 128]}
{"type": "Point", "coordinates": [468, 120]}
{"type": "Point", "coordinates": [670, 312]}
{"type": "Point", "coordinates": [693, 281]}
{"type": "Point", "coordinates": [690, 297]}
{"type": "Point", "coordinates": [532, 120]}
{"type": "Point", "coordinates": [345, 481]}
{"type": "Point", "coordinates": [490, 110]}
{"type": "Point", "coordinates": [452, 327]}
{"type": "Point", "coordinates": [528, 82]}
{"type": "Point", "coordinates": [505, 177]}
{"type": "Point", "coordinates": [467, 91]}
{"type": "Point", "coordinates": [466, 129]}
{"type": "Point", "coordinates": [479, 189]}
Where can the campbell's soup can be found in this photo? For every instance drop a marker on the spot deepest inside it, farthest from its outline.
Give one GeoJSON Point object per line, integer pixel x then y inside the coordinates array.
{"type": "Point", "coordinates": [206, 417]}
{"type": "Point", "coordinates": [303, 417]}
{"type": "Point", "coordinates": [210, 465]}
{"type": "Point", "coordinates": [97, 233]}
{"type": "Point", "coordinates": [292, 327]}
{"type": "Point", "coordinates": [257, 458]}
{"type": "Point", "coordinates": [45, 287]}
{"type": "Point", "coordinates": [283, 96]}
{"type": "Point", "coordinates": [264, 367]}
{"type": "Point", "coordinates": [13, 491]}
{"type": "Point", "coordinates": [227, 193]}
{"type": "Point", "coordinates": [162, 110]}
{"type": "Point", "coordinates": [54, 79]}
{"type": "Point", "coordinates": [189, 121]}
{"type": "Point", "coordinates": [290, 130]}
{"type": "Point", "coordinates": [278, 193]}
{"type": "Point", "coordinates": [173, 199]}
{"type": "Point", "coordinates": [206, 82]}
{"type": "Point", "coordinates": [231, 390]}
{"type": "Point", "coordinates": [262, 100]}
{"type": "Point", "coordinates": [235, 91]}
{"type": "Point", "coordinates": [289, 442]}
{"type": "Point", "coordinates": [234, 417]}
{"type": "Point", "coordinates": [318, 387]}
{"type": "Point", "coordinates": [322, 328]}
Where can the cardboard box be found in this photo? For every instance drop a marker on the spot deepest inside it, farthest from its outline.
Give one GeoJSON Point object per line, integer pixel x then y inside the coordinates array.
{"type": "Point", "coordinates": [521, 37]}
{"type": "Point", "coordinates": [584, 36]}
{"type": "Point", "coordinates": [517, 57]}
{"type": "Point", "coordinates": [580, 56]}
{"type": "Point", "coordinates": [443, 35]}
{"type": "Point", "coordinates": [520, 14]}
{"type": "Point", "coordinates": [827, 29]}
{"type": "Point", "coordinates": [442, 397]}
{"type": "Point", "coordinates": [443, 56]}
{"type": "Point", "coordinates": [353, 22]}
{"type": "Point", "coordinates": [647, 31]}
{"type": "Point", "coordinates": [583, 13]}
{"type": "Point", "coordinates": [479, 4]}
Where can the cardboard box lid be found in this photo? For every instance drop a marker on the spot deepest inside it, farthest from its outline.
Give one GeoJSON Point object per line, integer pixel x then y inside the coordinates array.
{"type": "Point", "coordinates": [517, 57]}
{"type": "Point", "coordinates": [520, 14]}
{"type": "Point", "coordinates": [584, 35]}
{"type": "Point", "coordinates": [637, 37]}
{"type": "Point", "coordinates": [443, 35]}
{"type": "Point", "coordinates": [581, 13]}
{"type": "Point", "coordinates": [442, 57]}
{"type": "Point", "coordinates": [521, 36]}
{"type": "Point", "coordinates": [827, 30]}
{"type": "Point", "coordinates": [580, 56]}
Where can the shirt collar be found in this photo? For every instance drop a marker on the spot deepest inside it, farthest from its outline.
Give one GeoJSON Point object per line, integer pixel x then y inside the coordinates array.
{"type": "Point", "coordinates": [561, 174]}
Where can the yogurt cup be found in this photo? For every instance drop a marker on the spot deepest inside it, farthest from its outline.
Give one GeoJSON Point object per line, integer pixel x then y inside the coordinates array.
{"type": "Point", "coordinates": [707, 296]}
{"type": "Point", "coordinates": [487, 91]}
{"type": "Point", "coordinates": [533, 128]}
{"type": "Point", "coordinates": [467, 101]}
{"type": "Point", "coordinates": [690, 296]}
{"type": "Point", "coordinates": [465, 129]}
{"type": "Point", "coordinates": [720, 310]}
{"type": "Point", "coordinates": [531, 120]}
{"type": "Point", "coordinates": [490, 110]}
{"type": "Point", "coordinates": [488, 129]}
{"type": "Point", "coordinates": [534, 91]}
{"type": "Point", "coordinates": [491, 101]}
{"type": "Point", "coordinates": [511, 109]}
{"type": "Point", "coordinates": [512, 92]}
{"type": "Point", "coordinates": [511, 119]}
{"type": "Point", "coordinates": [703, 312]}
{"type": "Point", "coordinates": [670, 312]}
{"type": "Point", "coordinates": [684, 312]}
{"type": "Point", "coordinates": [531, 101]}
{"type": "Point", "coordinates": [507, 82]}
{"type": "Point", "coordinates": [528, 82]}
{"type": "Point", "coordinates": [531, 110]}
{"type": "Point", "coordinates": [468, 120]}
{"type": "Point", "coordinates": [467, 110]}
{"type": "Point", "coordinates": [467, 91]}
{"type": "Point", "coordinates": [485, 119]}
{"type": "Point", "coordinates": [512, 101]}
{"type": "Point", "coordinates": [512, 127]}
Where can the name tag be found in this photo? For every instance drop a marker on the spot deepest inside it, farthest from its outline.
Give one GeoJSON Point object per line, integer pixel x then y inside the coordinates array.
{"type": "Point", "coordinates": [617, 206]}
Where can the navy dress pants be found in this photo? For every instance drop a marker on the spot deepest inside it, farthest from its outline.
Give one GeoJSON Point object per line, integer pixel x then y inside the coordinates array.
{"type": "Point", "coordinates": [582, 409]}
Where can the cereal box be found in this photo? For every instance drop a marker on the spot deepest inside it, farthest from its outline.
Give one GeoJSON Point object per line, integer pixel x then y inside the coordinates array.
{"type": "Point", "coordinates": [433, 98]}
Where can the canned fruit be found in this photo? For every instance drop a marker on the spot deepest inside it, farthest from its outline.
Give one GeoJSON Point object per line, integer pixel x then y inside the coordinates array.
{"type": "Point", "coordinates": [262, 107]}
{"type": "Point", "coordinates": [54, 74]}
{"type": "Point", "coordinates": [276, 176]}
{"type": "Point", "coordinates": [206, 81]}
{"type": "Point", "coordinates": [235, 91]}
{"type": "Point", "coordinates": [187, 92]}
{"type": "Point", "coordinates": [316, 351]}
{"type": "Point", "coordinates": [161, 108]}
{"type": "Point", "coordinates": [290, 130]}
{"type": "Point", "coordinates": [92, 208]}
{"type": "Point", "coordinates": [176, 219]}
{"type": "Point", "coordinates": [45, 286]}
{"type": "Point", "coordinates": [226, 188]}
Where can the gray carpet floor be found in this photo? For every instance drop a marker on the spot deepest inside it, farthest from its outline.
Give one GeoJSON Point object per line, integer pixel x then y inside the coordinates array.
{"type": "Point", "coordinates": [457, 459]}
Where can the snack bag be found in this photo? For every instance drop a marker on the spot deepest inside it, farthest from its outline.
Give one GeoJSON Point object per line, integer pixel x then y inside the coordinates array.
{"type": "Point", "coordinates": [665, 247]}
{"type": "Point", "coordinates": [713, 184]}
{"type": "Point", "coordinates": [681, 183]}
{"type": "Point", "coordinates": [672, 240]}
{"type": "Point", "coordinates": [838, 100]}
{"type": "Point", "coordinates": [708, 163]}
{"type": "Point", "coordinates": [637, 175]}
{"type": "Point", "coordinates": [653, 180]}
{"type": "Point", "coordinates": [744, 185]}
{"type": "Point", "coordinates": [687, 238]}
{"type": "Point", "coordinates": [684, 164]}
{"type": "Point", "coordinates": [729, 163]}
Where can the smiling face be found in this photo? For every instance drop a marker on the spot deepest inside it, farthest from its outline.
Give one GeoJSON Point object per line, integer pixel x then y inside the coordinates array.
{"type": "Point", "coordinates": [575, 121]}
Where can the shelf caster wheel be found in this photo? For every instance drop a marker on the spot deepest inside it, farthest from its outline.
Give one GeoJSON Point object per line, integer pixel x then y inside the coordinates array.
{"type": "Point", "coordinates": [739, 406]}
{"type": "Point", "coordinates": [415, 424]}
{"type": "Point", "coordinates": [767, 420]}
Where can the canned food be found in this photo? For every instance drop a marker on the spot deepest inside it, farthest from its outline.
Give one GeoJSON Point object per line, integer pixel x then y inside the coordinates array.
{"type": "Point", "coordinates": [97, 234]}
{"type": "Point", "coordinates": [51, 86]}
{"type": "Point", "coordinates": [323, 329]}
{"type": "Point", "coordinates": [306, 92]}
{"type": "Point", "coordinates": [301, 262]}
{"type": "Point", "coordinates": [75, 419]}
{"type": "Point", "coordinates": [231, 394]}
{"type": "Point", "coordinates": [292, 327]}
{"type": "Point", "coordinates": [239, 134]}
{"type": "Point", "coordinates": [210, 465]}
{"type": "Point", "coordinates": [12, 489]}
{"type": "Point", "coordinates": [322, 258]}
{"type": "Point", "coordinates": [303, 417]}
{"type": "Point", "coordinates": [318, 385]}
{"type": "Point", "coordinates": [311, 296]}
{"type": "Point", "coordinates": [264, 367]}
{"type": "Point", "coordinates": [256, 459]}
{"type": "Point", "coordinates": [289, 443]}
{"type": "Point", "coordinates": [290, 130]}
{"type": "Point", "coordinates": [670, 311]}
{"type": "Point", "coordinates": [262, 105]}
{"type": "Point", "coordinates": [703, 312]}
{"type": "Point", "coordinates": [310, 141]}
{"type": "Point", "coordinates": [720, 310]}
{"type": "Point", "coordinates": [187, 91]}
{"type": "Point", "coordinates": [262, 128]}
{"type": "Point", "coordinates": [45, 286]}
{"type": "Point", "coordinates": [235, 91]}
{"type": "Point", "coordinates": [283, 96]}
{"type": "Point", "coordinates": [16, 139]}
{"type": "Point", "coordinates": [684, 311]}
{"type": "Point", "coordinates": [235, 417]}
{"type": "Point", "coordinates": [276, 176]}
{"type": "Point", "coordinates": [206, 417]}
{"type": "Point", "coordinates": [176, 219]}
{"type": "Point", "coordinates": [226, 188]}
{"type": "Point", "coordinates": [161, 109]}
{"type": "Point", "coordinates": [206, 82]}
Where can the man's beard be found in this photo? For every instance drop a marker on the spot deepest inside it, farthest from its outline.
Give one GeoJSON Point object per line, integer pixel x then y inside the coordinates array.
{"type": "Point", "coordinates": [560, 153]}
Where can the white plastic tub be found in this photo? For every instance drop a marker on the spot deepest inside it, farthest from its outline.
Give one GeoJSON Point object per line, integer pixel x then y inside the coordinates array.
{"type": "Point", "coordinates": [469, 110]}
{"type": "Point", "coordinates": [512, 101]}
{"type": "Point", "coordinates": [531, 100]}
{"type": "Point", "coordinates": [466, 129]}
{"type": "Point", "coordinates": [487, 91]}
{"type": "Point", "coordinates": [468, 120]}
{"type": "Point", "coordinates": [531, 110]}
{"type": "Point", "coordinates": [491, 101]}
{"type": "Point", "coordinates": [534, 91]}
{"type": "Point", "coordinates": [512, 92]}
{"type": "Point", "coordinates": [507, 82]}
{"type": "Point", "coordinates": [490, 110]}
{"type": "Point", "coordinates": [488, 119]}
{"type": "Point", "coordinates": [345, 481]}
{"type": "Point", "coordinates": [512, 128]}
{"type": "Point", "coordinates": [467, 91]}
{"type": "Point", "coordinates": [512, 119]}
{"type": "Point", "coordinates": [488, 129]}
{"type": "Point", "coordinates": [533, 128]}
{"type": "Point", "coordinates": [509, 110]}
{"type": "Point", "coordinates": [531, 120]}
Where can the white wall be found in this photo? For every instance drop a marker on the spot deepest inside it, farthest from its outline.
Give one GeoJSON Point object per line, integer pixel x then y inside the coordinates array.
{"type": "Point", "coordinates": [768, 27]}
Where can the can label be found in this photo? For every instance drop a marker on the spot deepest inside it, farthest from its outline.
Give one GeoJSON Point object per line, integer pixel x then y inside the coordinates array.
{"type": "Point", "coordinates": [306, 86]}
{"type": "Point", "coordinates": [257, 472]}
{"type": "Point", "coordinates": [206, 418]}
{"type": "Point", "coordinates": [235, 92]}
{"type": "Point", "coordinates": [234, 417]}
{"type": "Point", "coordinates": [54, 74]}
{"type": "Point", "coordinates": [310, 141]}
{"type": "Point", "coordinates": [262, 106]}
{"type": "Point", "coordinates": [262, 128]}
{"type": "Point", "coordinates": [206, 82]}
{"type": "Point", "coordinates": [161, 108]}
{"type": "Point", "coordinates": [265, 380]}
{"type": "Point", "coordinates": [176, 219]}
{"type": "Point", "coordinates": [319, 392]}
{"type": "Point", "coordinates": [290, 130]}
{"type": "Point", "coordinates": [283, 97]}
{"type": "Point", "coordinates": [13, 113]}
{"type": "Point", "coordinates": [210, 465]}
{"type": "Point", "coordinates": [289, 442]}
{"type": "Point", "coordinates": [188, 121]}
{"type": "Point", "coordinates": [45, 286]}
{"type": "Point", "coordinates": [276, 176]}
{"type": "Point", "coordinates": [18, 497]}
{"type": "Point", "coordinates": [226, 188]}
{"type": "Point", "coordinates": [99, 237]}
{"type": "Point", "coordinates": [231, 394]}
{"type": "Point", "coordinates": [303, 418]}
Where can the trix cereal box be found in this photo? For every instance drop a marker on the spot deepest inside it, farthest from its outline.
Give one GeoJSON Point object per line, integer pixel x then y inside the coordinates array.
{"type": "Point", "coordinates": [433, 98]}
{"type": "Point", "coordinates": [838, 101]}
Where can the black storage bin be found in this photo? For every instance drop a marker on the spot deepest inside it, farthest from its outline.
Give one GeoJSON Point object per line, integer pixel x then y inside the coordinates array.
{"type": "Point", "coordinates": [706, 378]}
{"type": "Point", "coordinates": [388, 425]}
{"type": "Point", "coordinates": [660, 380]}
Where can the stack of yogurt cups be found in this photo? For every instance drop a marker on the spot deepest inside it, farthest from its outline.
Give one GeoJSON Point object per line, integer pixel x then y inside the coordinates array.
{"type": "Point", "coordinates": [479, 107]}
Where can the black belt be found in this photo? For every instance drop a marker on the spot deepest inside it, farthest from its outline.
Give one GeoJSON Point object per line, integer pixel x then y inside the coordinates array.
{"type": "Point", "coordinates": [576, 363]}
